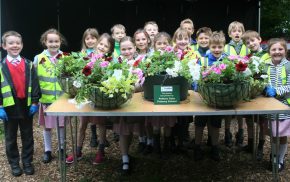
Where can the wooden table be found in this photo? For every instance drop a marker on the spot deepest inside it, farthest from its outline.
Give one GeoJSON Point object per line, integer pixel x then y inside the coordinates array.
{"type": "Point", "coordinates": [194, 105]}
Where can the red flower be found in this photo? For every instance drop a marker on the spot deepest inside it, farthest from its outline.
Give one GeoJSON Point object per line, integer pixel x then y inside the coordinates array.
{"type": "Point", "coordinates": [136, 63]}
{"type": "Point", "coordinates": [42, 61]}
{"type": "Point", "coordinates": [120, 60]}
{"type": "Point", "coordinates": [58, 56]}
{"type": "Point", "coordinates": [86, 58]}
{"type": "Point", "coordinates": [109, 58]}
{"type": "Point", "coordinates": [65, 53]}
{"type": "Point", "coordinates": [241, 66]}
{"type": "Point", "coordinates": [87, 70]}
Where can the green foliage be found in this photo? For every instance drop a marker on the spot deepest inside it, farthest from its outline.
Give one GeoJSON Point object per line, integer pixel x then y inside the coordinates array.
{"type": "Point", "coordinates": [275, 18]}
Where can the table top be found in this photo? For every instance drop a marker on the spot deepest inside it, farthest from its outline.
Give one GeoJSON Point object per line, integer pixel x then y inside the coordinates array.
{"type": "Point", "coordinates": [193, 105]}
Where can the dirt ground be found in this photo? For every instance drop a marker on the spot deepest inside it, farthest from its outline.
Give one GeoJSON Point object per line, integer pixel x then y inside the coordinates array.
{"type": "Point", "coordinates": [235, 165]}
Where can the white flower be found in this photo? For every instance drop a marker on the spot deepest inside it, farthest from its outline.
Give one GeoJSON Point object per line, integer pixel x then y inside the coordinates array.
{"type": "Point", "coordinates": [77, 84]}
{"type": "Point", "coordinates": [264, 76]}
{"type": "Point", "coordinates": [172, 72]}
{"type": "Point", "coordinates": [247, 72]}
{"type": "Point", "coordinates": [194, 69]}
{"type": "Point", "coordinates": [118, 74]}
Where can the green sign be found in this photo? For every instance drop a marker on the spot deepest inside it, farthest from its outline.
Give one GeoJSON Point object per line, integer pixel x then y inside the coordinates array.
{"type": "Point", "coordinates": [166, 94]}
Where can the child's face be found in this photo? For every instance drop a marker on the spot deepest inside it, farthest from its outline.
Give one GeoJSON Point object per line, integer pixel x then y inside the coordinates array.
{"type": "Point", "coordinates": [127, 49]}
{"type": "Point", "coordinates": [52, 43]}
{"type": "Point", "coordinates": [236, 34]}
{"type": "Point", "coordinates": [203, 40]}
{"type": "Point", "coordinates": [161, 44]}
{"type": "Point", "coordinates": [182, 42]}
{"type": "Point", "coordinates": [13, 45]}
{"type": "Point", "coordinates": [90, 41]}
{"type": "Point", "coordinates": [216, 49]}
{"type": "Point", "coordinates": [103, 46]}
{"type": "Point", "coordinates": [188, 27]}
{"type": "Point", "coordinates": [118, 34]}
{"type": "Point", "coordinates": [277, 53]}
{"type": "Point", "coordinates": [253, 44]}
{"type": "Point", "coordinates": [152, 30]}
{"type": "Point", "coordinates": [141, 41]}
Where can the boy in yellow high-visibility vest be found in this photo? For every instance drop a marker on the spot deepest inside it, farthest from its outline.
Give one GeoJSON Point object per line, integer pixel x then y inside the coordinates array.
{"type": "Point", "coordinates": [20, 93]}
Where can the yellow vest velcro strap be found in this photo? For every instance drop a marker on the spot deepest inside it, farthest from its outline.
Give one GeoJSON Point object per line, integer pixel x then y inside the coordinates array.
{"type": "Point", "coordinates": [51, 92]}
{"type": "Point", "coordinates": [47, 79]}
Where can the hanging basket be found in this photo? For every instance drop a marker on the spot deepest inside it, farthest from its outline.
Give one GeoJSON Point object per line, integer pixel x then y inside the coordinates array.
{"type": "Point", "coordinates": [223, 95]}
{"type": "Point", "coordinates": [150, 81]}
{"type": "Point", "coordinates": [66, 83]}
{"type": "Point", "coordinates": [103, 101]}
{"type": "Point", "coordinates": [256, 87]}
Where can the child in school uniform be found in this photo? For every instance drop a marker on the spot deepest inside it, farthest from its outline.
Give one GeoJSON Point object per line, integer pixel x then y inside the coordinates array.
{"type": "Point", "coordinates": [20, 93]}
{"type": "Point", "coordinates": [235, 47]}
{"type": "Point", "coordinates": [278, 71]}
{"type": "Point", "coordinates": [216, 47]}
{"type": "Point", "coordinates": [50, 88]}
{"type": "Point", "coordinates": [104, 46]}
{"type": "Point", "coordinates": [152, 29]}
{"type": "Point", "coordinates": [126, 126]}
{"type": "Point", "coordinates": [202, 39]}
{"type": "Point", "coordinates": [188, 25]}
{"type": "Point", "coordinates": [253, 40]}
{"type": "Point", "coordinates": [118, 32]}
{"type": "Point", "coordinates": [89, 43]}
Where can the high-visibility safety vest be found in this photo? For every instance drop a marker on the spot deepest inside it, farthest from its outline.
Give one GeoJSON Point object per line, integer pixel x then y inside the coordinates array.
{"type": "Point", "coordinates": [6, 90]}
{"type": "Point", "coordinates": [48, 82]}
{"type": "Point", "coordinates": [283, 78]}
{"type": "Point", "coordinates": [230, 50]}
{"type": "Point", "coordinates": [266, 58]}
{"type": "Point", "coordinates": [204, 61]}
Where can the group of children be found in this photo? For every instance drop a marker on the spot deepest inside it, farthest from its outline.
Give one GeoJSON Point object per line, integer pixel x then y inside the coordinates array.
{"type": "Point", "coordinates": [28, 87]}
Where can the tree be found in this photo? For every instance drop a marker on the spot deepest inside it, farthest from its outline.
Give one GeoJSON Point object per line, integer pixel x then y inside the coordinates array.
{"type": "Point", "coordinates": [275, 18]}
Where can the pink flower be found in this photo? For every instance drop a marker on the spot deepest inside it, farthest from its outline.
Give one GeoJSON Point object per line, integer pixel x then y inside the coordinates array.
{"type": "Point", "coordinates": [91, 63]}
{"type": "Point", "coordinates": [104, 64]}
{"type": "Point", "coordinates": [217, 70]}
{"type": "Point", "coordinates": [179, 54]}
{"type": "Point", "coordinates": [139, 74]}
{"type": "Point", "coordinates": [169, 49]}
{"type": "Point", "coordinates": [205, 73]}
{"type": "Point", "coordinates": [222, 66]}
{"type": "Point", "coordinates": [233, 57]}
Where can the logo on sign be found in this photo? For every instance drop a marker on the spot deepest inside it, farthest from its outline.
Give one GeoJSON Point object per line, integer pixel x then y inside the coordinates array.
{"type": "Point", "coordinates": [166, 88]}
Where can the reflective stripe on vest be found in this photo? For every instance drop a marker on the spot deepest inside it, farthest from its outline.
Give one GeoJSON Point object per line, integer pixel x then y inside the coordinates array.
{"type": "Point", "coordinates": [6, 90]}
{"type": "Point", "coordinates": [49, 85]}
{"type": "Point", "coordinates": [230, 50]}
{"type": "Point", "coordinates": [283, 78]}
{"type": "Point", "coordinates": [204, 61]}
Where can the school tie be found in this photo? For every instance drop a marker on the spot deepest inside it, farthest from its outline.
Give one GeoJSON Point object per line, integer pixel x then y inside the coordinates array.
{"type": "Point", "coordinates": [15, 62]}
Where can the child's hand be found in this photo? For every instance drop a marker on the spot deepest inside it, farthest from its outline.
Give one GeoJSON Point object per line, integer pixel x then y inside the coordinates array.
{"type": "Point", "coordinates": [270, 91]}
{"type": "Point", "coordinates": [3, 114]}
{"type": "Point", "coordinates": [33, 109]}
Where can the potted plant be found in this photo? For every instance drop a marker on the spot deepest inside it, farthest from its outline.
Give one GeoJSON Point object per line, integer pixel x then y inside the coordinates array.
{"type": "Point", "coordinates": [226, 82]}
{"type": "Point", "coordinates": [169, 67]}
{"type": "Point", "coordinates": [106, 82]}
{"type": "Point", "coordinates": [67, 68]}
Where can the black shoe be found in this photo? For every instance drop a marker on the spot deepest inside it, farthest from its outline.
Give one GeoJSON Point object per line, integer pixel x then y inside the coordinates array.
{"type": "Point", "coordinates": [47, 157]}
{"type": "Point", "coordinates": [281, 167]}
{"type": "Point", "coordinates": [215, 153]}
{"type": "Point", "coordinates": [248, 148]}
{"type": "Point", "coordinates": [228, 139]}
{"type": "Point", "coordinates": [125, 172]}
{"type": "Point", "coordinates": [260, 155]}
{"type": "Point", "coordinates": [208, 143]}
{"type": "Point", "coordinates": [16, 170]}
{"type": "Point", "coordinates": [198, 153]}
{"type": "Point", "coordinates": [240, 138]}
{"type": "Point", "coordinates": [28, 168]}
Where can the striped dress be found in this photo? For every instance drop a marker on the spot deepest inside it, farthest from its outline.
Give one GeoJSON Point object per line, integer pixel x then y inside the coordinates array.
{"type": "Point", "coordinates": [275, 80]}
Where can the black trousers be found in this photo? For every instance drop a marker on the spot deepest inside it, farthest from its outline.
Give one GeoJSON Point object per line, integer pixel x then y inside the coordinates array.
{"type": "Point", "coordinates": [26, 133]}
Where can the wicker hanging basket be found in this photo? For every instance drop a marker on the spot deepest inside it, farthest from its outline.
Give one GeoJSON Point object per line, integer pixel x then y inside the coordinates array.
{"type": "Point", "coordinates": [66, 83]}
{"type": "Point", "coordinates": [223, 95]}
{"type": "Point", "coordinates": [150, 81]}
{"type": "Point", "coordinates": [103, 101]}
